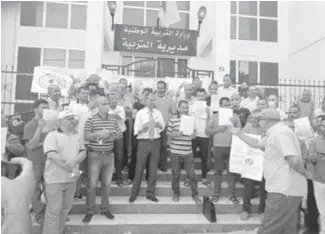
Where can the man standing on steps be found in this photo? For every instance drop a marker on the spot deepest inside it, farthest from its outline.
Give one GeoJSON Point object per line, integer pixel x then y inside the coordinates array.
{"type": "Point", "coordinates": [148, 125]}
{"type": "Point", "coordinates": [167, 108]}
{"type": "Point", "coordinates": [227, 90]}
{"type": "Point", "coordinates": [284, 172]}
{"type": "Point", "coordinates": [54, 93]}
{"type": "Point", "coordinates": [221, 151]}
{"type": "Point", "coordinates": [101, 131]}
{"type": "Point", "coordinates": [181, 150]}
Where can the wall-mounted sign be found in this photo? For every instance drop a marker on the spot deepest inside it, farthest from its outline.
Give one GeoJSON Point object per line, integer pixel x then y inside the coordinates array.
{"type": "Point", "coordinates": [155, 40]}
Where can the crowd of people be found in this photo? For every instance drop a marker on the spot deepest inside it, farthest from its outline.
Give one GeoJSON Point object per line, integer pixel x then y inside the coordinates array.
{"type": "Point", "coordinates": [101, 134]}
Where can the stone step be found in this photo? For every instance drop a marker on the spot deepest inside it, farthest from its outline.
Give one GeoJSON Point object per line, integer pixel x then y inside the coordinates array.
{"type": "Point", "coordinates": [164, 188]}
{"type": "Point", "coordinates": [167, 176]}
{"type": "Point", "coordinates": [121, 205]}
{"type": "Point", "coordinates": [156, 224]}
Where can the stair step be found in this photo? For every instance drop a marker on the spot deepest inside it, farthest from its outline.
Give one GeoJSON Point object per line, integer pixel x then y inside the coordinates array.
{"type": "Point", "coordinates": [157, 224]}
{"type": "Point", "coordinates": [121, 205]}
{"type": "Point", "coordinates": [164, 188]}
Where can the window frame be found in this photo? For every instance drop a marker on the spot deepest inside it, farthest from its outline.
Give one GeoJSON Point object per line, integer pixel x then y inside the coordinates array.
{"type": "Point", "coordinates": [69, 3]}
{"type": "Point", "coordinates": [238, 15]}
{"type": "Point", "coordinates": [145, 8]}
{"type": "Point", "coordinates": [144, 57]}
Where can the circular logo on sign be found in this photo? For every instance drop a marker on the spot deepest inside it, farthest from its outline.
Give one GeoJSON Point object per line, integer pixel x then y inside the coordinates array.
{"type": "Point", "coordinates": [49, 79]}
{"type": "Point", "coordinates": [249, 161]}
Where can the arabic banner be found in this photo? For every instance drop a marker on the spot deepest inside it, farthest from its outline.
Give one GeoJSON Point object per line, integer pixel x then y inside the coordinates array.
{"type": "Point", "coordinates": [155, 40]}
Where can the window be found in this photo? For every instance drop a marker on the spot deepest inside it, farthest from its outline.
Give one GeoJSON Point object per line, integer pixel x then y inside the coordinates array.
{"type": "Point", "coordinates": [254, 72]}
{"type": "Point", "coordinates": [145, 13]}
{"type": "Point", "coordinates": [63, 58]}
{"type": "Point", "coordinates": [148, 67]}
{"type": "Point", "coordinates": [71, 15]}
{"type": "Point", "coordinates": [254, 20]}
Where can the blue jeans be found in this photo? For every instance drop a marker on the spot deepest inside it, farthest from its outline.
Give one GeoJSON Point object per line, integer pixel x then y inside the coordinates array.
{"type": "Point", "coordinates": [99, 163]}
{"type": "Point", "coordinates": [281, 214]}
{"type": "Point", "coordinates": [59, 198]}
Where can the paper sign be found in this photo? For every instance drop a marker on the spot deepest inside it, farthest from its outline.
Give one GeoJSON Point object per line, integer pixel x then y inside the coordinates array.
{"type": "Point", "coordinates": [4, 132]}
{"type": "Point", "coordinates": [187, 125]}
{"type": "Point", "coordinates": [303, 128]}
{"type": "Point", "coordinates": [224, 116]}
{"type": "Point", "coordinates": [246, 160]}
{"type": "Point", "coordinates": [215, 99]}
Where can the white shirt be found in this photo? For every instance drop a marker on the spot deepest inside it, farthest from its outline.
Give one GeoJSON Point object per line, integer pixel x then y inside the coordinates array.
{"type": "Point", "coordinates": [249, 103]}
{"type": "Point", "coordinates": [143, 117]}
{"type": "Point", "coordinates": [227, 92]}
{"type": "Point", "coordinates": [121, 112]}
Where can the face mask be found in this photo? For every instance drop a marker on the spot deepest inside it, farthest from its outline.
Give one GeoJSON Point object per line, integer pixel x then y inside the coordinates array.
{"type": "Point", "coordinates": [272, 104]}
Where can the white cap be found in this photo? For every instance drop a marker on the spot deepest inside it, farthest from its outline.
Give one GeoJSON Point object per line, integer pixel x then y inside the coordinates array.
{"type": "Point", "coordinates": [65, 113]}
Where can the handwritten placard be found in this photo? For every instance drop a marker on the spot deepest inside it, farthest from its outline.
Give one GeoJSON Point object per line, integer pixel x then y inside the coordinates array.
{"type": "Point", "coordinates": [155, 40]}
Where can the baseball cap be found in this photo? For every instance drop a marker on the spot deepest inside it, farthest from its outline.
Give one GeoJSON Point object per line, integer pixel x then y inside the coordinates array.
{"type": "Point", "coordinates": [65, 113]}
{"type": "Point", "coordinates": [269, 113]}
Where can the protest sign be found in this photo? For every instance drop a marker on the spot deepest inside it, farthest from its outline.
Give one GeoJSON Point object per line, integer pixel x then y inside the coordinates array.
{"type": "Point", "coordinates": [224, 116]}
{"type": "Point", "coordinates": [303, 128]}
{"type": "Point", "coordinates": [4, 132]}
{"type": "Point", "coordinates": [215, 99]}
{"type": "Point", "coordinates": [187, 125]}
{"type": "Point", "coordinates": [246, 160]}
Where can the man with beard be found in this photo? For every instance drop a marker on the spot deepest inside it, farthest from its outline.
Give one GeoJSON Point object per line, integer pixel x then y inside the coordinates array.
{"type": "Point", "coordinates": [101, 131]}
{"type": "Point", "coordinates": [34, 137]}
{"type": "Point", "coordinates": [167, 108]}
{"type": "Point", "coordinates": [284, 172]}
{"type": "Point", "coordinates": [148, 125]}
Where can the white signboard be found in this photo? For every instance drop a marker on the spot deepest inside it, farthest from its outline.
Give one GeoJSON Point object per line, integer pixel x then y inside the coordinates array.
{"type": "Point", "coordinates": [224, 116]}
{"type": "Point", "coordinates": [246, 160]}
{"type": "Point", "coordinates": [187, 125]}
{"type": "Point", "coordinates": [303, 128]}
{"type": "Point", "coordinates": [215, 99]}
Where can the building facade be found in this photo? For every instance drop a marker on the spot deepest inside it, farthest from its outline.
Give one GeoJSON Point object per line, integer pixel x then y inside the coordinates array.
{"type": "Point", "coordinates": [258, 42]}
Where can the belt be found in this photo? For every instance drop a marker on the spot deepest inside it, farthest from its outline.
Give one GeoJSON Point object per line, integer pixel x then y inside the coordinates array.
{"type": "Point", "coordinates": [103, 152]}
{"type": "Point", "coordinates": [156, 139]}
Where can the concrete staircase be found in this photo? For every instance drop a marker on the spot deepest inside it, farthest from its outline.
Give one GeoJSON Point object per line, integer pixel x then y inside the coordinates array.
{"type": "Point", "coordinates": [164, 217]}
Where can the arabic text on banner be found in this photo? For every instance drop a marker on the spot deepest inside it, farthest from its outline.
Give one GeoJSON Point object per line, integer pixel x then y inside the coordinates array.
{"type": "Point", "coordinates": [303, 128]}
{"type": "Point", "coordinates": [187, 125]}
{"type": "Point", "coordinates": [246, 160]}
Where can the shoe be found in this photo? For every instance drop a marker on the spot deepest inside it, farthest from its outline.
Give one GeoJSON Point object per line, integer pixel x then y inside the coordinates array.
{"type": "Point", "coordinates": [215, 198]}
{"type": "Point", "coordinates": [107, 214]}
{"type": "Point", "coordinates": [87, 218]}
{"type": "Point", "coordinates": [206, 183]}
{"type": "Point", "coordinates": [244, 216]}
{"type": "Point", "coordinates": [187, 183]}
{"type": "Point", "coordinates": [163, 170]}
{"type": "Point", "coordinates": [152, 198]}
{"type": "Point", "coordinates": [175, 198]}
{"type": "Point", "coordinates": [196, 199]}
{"type": "Point", "coordinates": [119, 183]}
{"type": "Point", "coordinates": [77, 196]}
{"type": "Point", "coordinates": [132, 199]}
{"type": "Point", "coordinates": [234, 200]}
{"type": "Point", "coordinates": [125, 169]}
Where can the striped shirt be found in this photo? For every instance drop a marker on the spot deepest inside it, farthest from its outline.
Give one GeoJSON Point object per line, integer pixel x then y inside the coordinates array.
{"type": "Point", "coordinates": [97, 123]}
{"type": "Point", "coordinates": [179, 145]}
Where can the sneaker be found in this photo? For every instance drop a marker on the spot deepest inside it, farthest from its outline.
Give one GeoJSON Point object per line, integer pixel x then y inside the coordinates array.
{"type": "Point", "coordinates": [87, 218]}
{"type": "Point", "coordinates": [175, 198]}
{"type": "Point", "coordinates": [187, 183]}
{"type": "Point", "coordinates": [244, 216]}
{"type": "Point", "coordinates": [206, 183]}
{"type": "Point", "coordinates": [215, 198]}
{"type": "Point", "coordinates": [196, 199]}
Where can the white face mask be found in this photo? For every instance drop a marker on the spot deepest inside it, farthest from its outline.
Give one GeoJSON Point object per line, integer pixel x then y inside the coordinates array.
{"type": "Point", "coordinates": [272, 104]}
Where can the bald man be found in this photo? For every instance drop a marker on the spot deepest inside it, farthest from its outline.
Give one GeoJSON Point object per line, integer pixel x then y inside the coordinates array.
{"type": "Point", "coordinates": [54, 93]}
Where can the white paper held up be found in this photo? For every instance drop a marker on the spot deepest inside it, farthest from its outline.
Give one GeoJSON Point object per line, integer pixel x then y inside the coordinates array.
{"type": "Point", "coordinates": [224, 116]}
{"type": "Point", "coordinates": [4, 132]}
{"type": "Point", "coordinates": [303, 128]}
{"type": "Point", "coordinates": [187, 125]}
{"type": "Point", "coordinates": [215, 99]}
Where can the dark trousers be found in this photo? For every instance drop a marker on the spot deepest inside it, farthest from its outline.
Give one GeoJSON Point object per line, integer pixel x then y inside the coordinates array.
{"type": "Point", "coordinates": [281, 214]}
{"type": "Point", "coordinates": [99, 164]}
{"type": "Point", "coordinates": [311, 218]}
{"type": "Point", "coordinates": [188, 160]}
{"type": "Point", "coordinates": [221, 154]}
{"type": "Point", "coordinates": [133, 161]}
{"type": "Point", "coordinates": [37, 205]}
{"type": "Point", "coordinates": [118, 154]}
{"type": "Point", "coordinates": [203, 144]}
{"type": "Point", "coordinates": [163, 150]}
{"type": "Point", "coordinates": [83, 167]}
{"type": "Point", "coordinates": [146, 148]}
{"type": "Point", "coordinates": [249, 188]}
{"type": "Point", "coordinates": [127, 142]}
